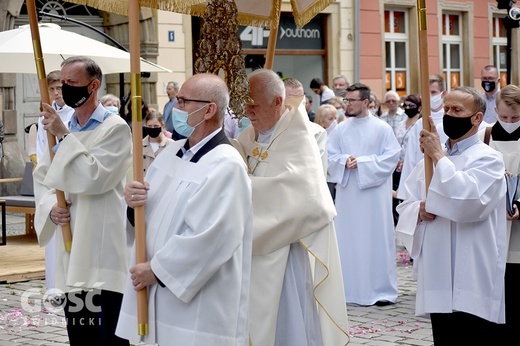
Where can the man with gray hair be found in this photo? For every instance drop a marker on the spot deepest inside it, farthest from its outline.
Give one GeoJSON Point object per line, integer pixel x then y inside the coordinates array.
{"type": "Point", "coordinates": [171, 90]}
{"type": "Point", "coordinates": [394, 116]}
{"type": "Point", "coordinates": [198, 220]}
{"type": "Point", "coordinates": [456, 229]}
{"type": "Point", "coordinates": [490, 82]}
{"type": "Point", "coordinates": [340, 85]}
{"type": "Point", "coordinates": [290, 304]}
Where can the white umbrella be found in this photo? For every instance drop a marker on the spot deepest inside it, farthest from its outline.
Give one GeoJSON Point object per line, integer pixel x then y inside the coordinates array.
{"type": "Point", "coordinates": [17, 54]}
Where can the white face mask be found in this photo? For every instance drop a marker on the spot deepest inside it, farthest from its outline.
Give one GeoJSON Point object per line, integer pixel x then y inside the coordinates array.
{"type": "Point", "coordinates": [332, 126]}
{"type": "Point", "coordinates": [436, 101]}
{"type": "Point", "coordinates": [509, 127]}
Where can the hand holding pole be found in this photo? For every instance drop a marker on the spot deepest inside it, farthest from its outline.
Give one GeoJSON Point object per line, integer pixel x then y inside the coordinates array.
{"type": "Point", "coordinates": [44, 92]}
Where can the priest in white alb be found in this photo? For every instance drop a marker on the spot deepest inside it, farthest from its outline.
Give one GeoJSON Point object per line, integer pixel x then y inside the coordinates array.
{"type": "Point", "coordinates": [296, 286]}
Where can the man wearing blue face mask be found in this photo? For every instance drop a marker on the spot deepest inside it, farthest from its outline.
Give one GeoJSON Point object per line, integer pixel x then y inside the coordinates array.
{"type": "Point", "coordinates": [172, 89]}
{"type": "Point", "coordinates": [490, 82]}
{"type": "Point", "coordinates": [180, 118]}
{"type": "Point", "coordinates": [199, 231]}
{"type": "Point", "coordinates": [90, 165]}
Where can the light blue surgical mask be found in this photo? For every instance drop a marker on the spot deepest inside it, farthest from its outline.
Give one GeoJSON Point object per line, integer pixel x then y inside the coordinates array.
{"type": "Point", "coordinates": [243, 123]}
{"type": "Point", "coordinates": [340, 114]}
{"type": "Point", "coordinates": [113, 109]}
{"type": "Point", "coordinates": [180, 121]}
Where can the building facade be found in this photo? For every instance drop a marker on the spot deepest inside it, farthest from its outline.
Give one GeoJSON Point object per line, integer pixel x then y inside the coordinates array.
{"type": "Point", "coordinates": [375, 42]}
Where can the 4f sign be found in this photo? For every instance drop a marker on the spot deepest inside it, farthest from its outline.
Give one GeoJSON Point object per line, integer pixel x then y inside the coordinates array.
{"type": "Point", "coordinates": [254, 35]}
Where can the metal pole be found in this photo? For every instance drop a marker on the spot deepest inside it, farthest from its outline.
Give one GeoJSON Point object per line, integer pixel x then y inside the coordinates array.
{"type": "Point", "coordinates": [509, 32]}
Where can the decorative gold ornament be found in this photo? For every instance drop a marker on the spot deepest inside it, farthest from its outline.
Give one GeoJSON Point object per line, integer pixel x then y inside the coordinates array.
{"type": "Point", "coordinates": [264, 155]}
{"type": "Point", "coordinates": [220, 48]}
{"type": "Point", "coordinates": [256, 152]}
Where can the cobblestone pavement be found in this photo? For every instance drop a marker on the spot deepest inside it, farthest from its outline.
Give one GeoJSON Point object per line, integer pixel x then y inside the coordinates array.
{"type": "Point", "coordinates": [378, 326]}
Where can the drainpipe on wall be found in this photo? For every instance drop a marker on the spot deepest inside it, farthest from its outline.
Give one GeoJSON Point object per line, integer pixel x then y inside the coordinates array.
{"type": "Point", "coordinates": [356, 41]}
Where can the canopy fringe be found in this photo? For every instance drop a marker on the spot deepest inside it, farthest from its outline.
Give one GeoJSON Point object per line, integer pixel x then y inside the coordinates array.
{"type": "Point", "coordinates": [302, 17]}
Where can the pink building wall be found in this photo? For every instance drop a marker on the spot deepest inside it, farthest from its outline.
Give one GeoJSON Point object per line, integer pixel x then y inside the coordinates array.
{"type": "Point", "coordinates": [372, 63]}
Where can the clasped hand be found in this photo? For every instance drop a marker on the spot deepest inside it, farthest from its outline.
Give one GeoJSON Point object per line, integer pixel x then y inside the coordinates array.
{"type": "Point", "coordinates": [136, 193]}
{"type": "Point", "coordinates": [59, 215]}
{"type": "Point", "coordinates": [423, 214]}
{"type": "Point", "coordinates": [142, 275]}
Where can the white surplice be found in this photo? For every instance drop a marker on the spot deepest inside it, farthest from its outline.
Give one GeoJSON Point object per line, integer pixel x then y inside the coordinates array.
{"type": "Point", "coordinates": [90, 167]}
{"type": "Point", "coordinates": [65, 114]}
{"type": "Point", "coordinates": [364, 223]}
{"type": "Point", "coordinates": [292, 208]}
{"type": "Point", "coordinates": [198, 238]}
{"type": "Point", "coordinates": [511, 153]}
{"type": "Point", "coordinates": [460, 256]}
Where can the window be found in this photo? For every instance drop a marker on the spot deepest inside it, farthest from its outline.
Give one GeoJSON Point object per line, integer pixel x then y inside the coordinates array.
{"type": "Point", "coordinates": [396, 50]}
{"type": "Point", "coordinates": [452, 49]}
{"type": "Point", "coordinates": [499, 42]}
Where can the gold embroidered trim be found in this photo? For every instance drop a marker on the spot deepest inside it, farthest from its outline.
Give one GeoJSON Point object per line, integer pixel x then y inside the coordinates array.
{"type": "Point", "coordinates": [318, 260]}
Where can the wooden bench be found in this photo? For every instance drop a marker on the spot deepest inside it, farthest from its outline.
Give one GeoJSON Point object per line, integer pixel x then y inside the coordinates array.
{"type": "Point", "coordinates": [24, 202]}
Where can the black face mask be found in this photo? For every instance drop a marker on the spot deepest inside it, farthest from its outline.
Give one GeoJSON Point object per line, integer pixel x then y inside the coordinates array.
{"type": "Point", "coordinates": [75, 96]}
{"type": "Point", "coordinates": [455, 127]}
{"type": "Point", "coordinates": [488, 86]}
{"type": "Point", "coordinates": [411, 112]}
{"type": "Point", "coordinates": [153, 132]}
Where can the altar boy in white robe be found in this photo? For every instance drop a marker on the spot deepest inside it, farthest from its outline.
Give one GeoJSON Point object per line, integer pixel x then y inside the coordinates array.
{"type": "Point", "coordinates": [457, 232]}
{"type": "Point", "coordinates": [291, 304]}
{"type": "Point", "coordinates": [363, 153]}
{"type": "Point", "coordinates": [504, 136]}
{"type": "Point", "coordinates": [198, 232]}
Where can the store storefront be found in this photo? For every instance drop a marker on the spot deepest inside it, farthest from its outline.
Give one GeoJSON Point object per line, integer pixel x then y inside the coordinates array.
{"type": "Point", "coordinates": [300, 52]}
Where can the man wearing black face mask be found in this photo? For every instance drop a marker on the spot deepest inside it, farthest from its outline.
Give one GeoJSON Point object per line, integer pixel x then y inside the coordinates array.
{"type": "Point", "coordinates": [91, 160]}
{"type": "Point", "coordinates": [456, 233]}
{"type": "Point", "coordinates": [491, 85]}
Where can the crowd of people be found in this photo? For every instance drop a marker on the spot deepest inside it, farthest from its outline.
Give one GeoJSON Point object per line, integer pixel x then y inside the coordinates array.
{"type": "Point", "coordinates": [262, 227]}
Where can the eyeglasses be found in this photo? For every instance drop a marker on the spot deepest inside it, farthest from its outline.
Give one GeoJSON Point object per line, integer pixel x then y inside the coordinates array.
{"type": "Point", "coordinates": [410, 106]}
{"type": "Point", "coordinates": [351, 100]}
{"type": "Point", "coordinates": [182, 100]}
